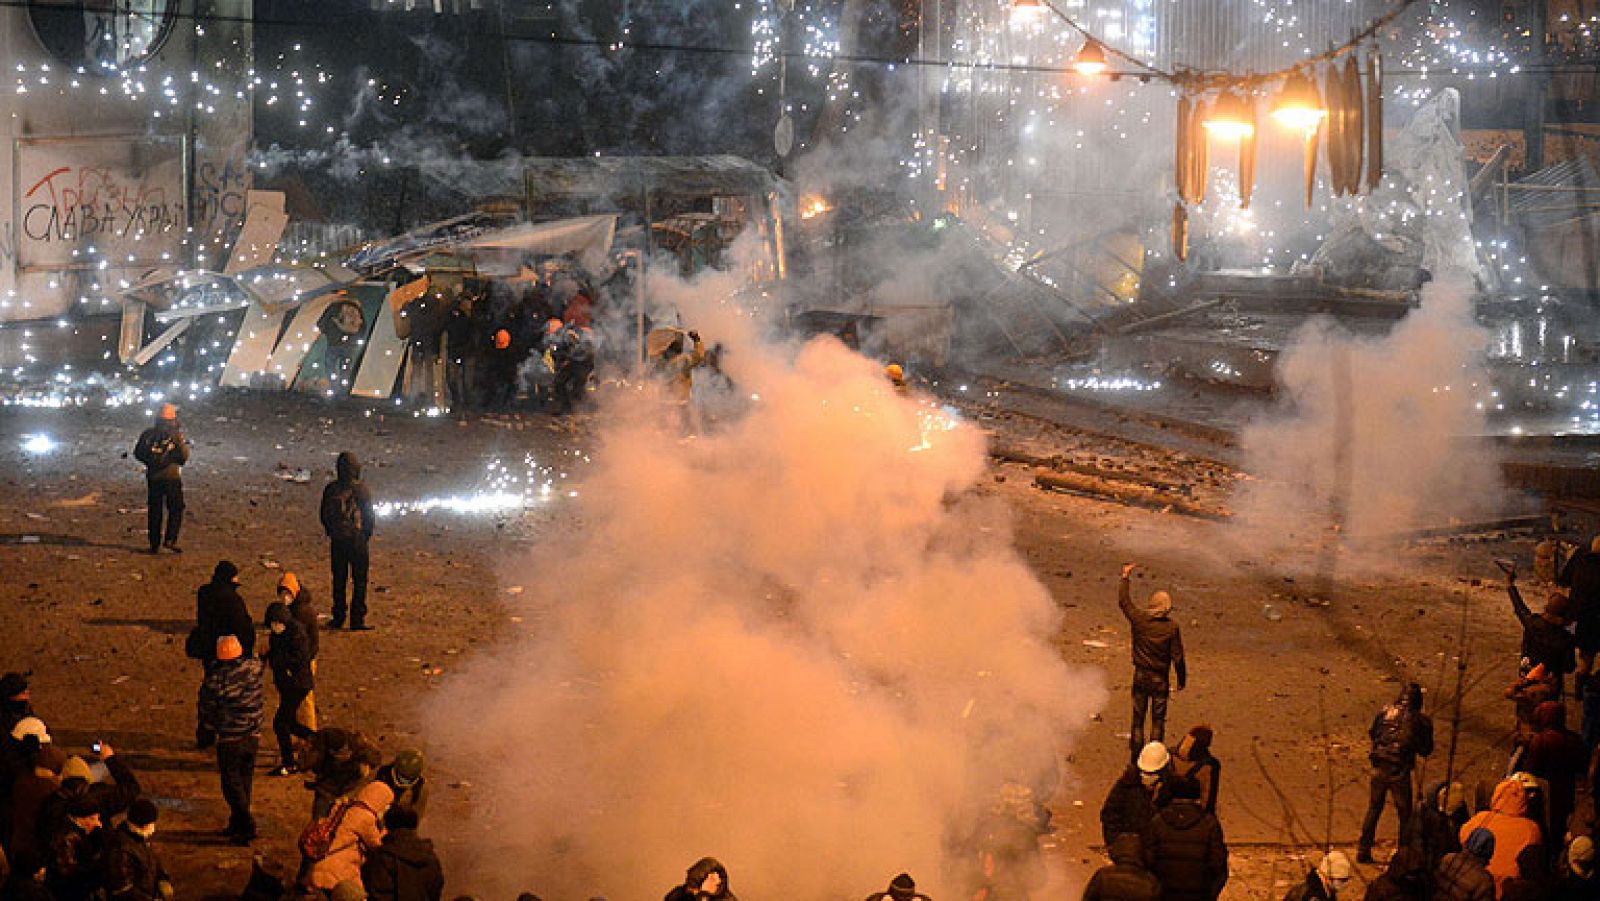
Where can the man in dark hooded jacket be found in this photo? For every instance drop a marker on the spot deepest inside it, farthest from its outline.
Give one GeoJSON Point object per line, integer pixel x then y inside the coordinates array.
{"type": "Point", "coordinates": [1185, 849]}
{"type": "Point", "coordinates": [348, 519]}
{"type": "Point", "coordinates": [163, 450]}
{"type": "Point", "coordinates": [1557, 755]}
{"type": "Point", "coordinates": [219, 611]}
{"type": "Point", "coordinates": [1406, 879]}
{"type": "Point", "coordinates": [404, 867]}
{"type": "Point", "coordinates": [289, 656]}
{"type": "Point", "coordinates": [1157, 650]}
{"type": "Point", "coordinates": [1545, 639]}
{"type": "Point", "coordinates": [707, 880]}
{"type": "Point", "coordinates": [1400, 733]}
{"type": "Point", "coordinates": [1125, 878]}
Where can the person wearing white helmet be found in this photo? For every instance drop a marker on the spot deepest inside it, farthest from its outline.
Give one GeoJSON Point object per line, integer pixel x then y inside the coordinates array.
{"type": "Point", "coordinates": [30, 725]}
{"type": "Point", "coordinates": [1134, 797]}
{"type": "Point", "coordinates": [1325, 881]}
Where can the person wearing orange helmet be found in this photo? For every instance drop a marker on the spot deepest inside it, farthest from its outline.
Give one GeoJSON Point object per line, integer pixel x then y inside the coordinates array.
{"type": "Point", "coordinates": [163, 450]}
{"type": "Point", "coordinates": [500, 370]}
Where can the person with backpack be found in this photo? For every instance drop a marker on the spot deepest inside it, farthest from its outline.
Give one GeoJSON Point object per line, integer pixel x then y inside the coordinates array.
{"type": "Point", "coordinates": [230, 715]}
{"type": "Point", "coordinates": [405, 867]}
{"type": "Point", "coordinates": [337, 845]}
{"type": "Point", "coordinates": [1400, 733]}
{"type": "Point", "coordinates": [348, 518]}
{"type": "Point", "coordinates": [163, 450]}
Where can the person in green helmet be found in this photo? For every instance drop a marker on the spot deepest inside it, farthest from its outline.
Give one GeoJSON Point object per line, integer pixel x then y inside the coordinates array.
{"type": "Point", "coordinates": [404, 774]}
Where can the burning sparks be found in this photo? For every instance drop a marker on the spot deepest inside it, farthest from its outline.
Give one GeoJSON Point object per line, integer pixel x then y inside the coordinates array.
{"type": "Point", "coordinates": [503, 491]}
{"type": "Point", "coordinates": [814, 205]}
{"type": "Point", "coordinates": [38, 444]}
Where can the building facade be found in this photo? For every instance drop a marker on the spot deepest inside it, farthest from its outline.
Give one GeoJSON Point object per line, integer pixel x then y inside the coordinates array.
{"type": "Point", "coordinates": [124, 129]}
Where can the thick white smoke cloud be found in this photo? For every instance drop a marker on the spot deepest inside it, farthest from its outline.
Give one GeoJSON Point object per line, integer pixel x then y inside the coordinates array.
{"type": "Point", "coordinates": [1409, 460]}
{"type": "Point", "coordinates": [800, 643]}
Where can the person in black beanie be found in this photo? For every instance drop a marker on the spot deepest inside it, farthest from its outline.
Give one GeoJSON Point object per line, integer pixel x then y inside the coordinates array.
{"type": "Point", "coordinates": [219, 611]}
{"type": "Point", "coordinates": [133, 870]}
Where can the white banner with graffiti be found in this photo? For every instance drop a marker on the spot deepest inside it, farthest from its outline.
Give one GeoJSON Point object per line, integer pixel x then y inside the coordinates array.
{"type": "Point", "coordinates": [79, 201]}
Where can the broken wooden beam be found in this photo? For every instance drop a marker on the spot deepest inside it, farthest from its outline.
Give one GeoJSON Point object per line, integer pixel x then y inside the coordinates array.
{"type": "Point", "coordinates": [1127, 493]}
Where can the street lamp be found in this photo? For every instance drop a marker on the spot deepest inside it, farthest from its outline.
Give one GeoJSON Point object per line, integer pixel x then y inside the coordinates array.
{"type": "Point", "coordinates": [1232, 118]}
{"type": "Point", "coordinates": [1299, 104]}
{"type": "Point", "coordinates": [1091, 58]}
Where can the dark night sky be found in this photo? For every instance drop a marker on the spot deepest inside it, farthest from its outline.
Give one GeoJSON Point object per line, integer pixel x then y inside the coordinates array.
{"type": "Point", "coordinates": [494, 79]}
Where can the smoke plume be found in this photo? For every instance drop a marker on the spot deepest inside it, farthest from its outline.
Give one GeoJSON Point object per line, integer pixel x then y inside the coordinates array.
{"type": "Point", "coordinates": [1399, 455]}
{"type": "Point", "coordinates": [800, 642]}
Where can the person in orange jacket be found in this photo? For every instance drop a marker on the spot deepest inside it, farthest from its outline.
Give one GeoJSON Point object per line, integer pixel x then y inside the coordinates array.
{"type": "Point", "coordinates": [1514, 831]}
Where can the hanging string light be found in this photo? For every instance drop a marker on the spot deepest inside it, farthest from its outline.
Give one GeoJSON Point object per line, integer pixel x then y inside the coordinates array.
{"type": "Point", "coordinates": [1091, 58]}
{"type": "Point", "coordinates": [1232, 117]}
{"type": "Point", "coordinates": [1299, 103]}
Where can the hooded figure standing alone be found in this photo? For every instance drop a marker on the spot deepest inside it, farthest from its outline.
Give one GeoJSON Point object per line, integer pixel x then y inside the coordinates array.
{"type": "Point", "coordinates": [163, 450]}
{"type": "Point", "coordinates": [348, 517]}
{"type": "Point", "coordinates": [1400, 733]}
{"type": "Point", "coordinates": [1157, 649]}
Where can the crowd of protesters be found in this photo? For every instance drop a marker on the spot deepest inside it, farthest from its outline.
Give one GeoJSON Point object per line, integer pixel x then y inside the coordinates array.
{"type": "Point", "coordinates": [499, 345]}
{"type": "Point", "coordinates": [75, 830]}
{"type": "Point", "coordinates": [1522, 842]}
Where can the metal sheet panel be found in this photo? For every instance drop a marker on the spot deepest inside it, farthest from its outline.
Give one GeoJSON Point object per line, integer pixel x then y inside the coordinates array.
{"type": "Point", "coordinates": [380, 364]}
{"type": "Point", "coordinates": [258, 334]}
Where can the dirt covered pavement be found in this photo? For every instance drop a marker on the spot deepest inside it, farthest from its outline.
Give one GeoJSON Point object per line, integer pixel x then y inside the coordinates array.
{"type": "Point", "coordinates": [1290, 688]}
{"type": "Point", "coordinates": [101, 623]}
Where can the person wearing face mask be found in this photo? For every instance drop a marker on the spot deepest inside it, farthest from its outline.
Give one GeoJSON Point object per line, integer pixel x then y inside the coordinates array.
{"type": "Point", "coordinates": [133, 871]}
{"type": "Point", "coordinates": [1138, 792]}
{"type": "Point", "coordinates": [289, 655]}
{"type": "Point", "coordinates": [304, 608]}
